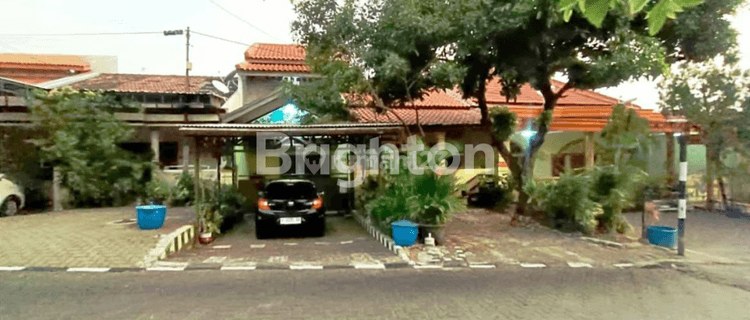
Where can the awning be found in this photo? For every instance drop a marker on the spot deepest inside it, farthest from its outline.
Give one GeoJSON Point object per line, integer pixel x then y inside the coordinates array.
{"type": "Point", "coordinates": [244, 130]}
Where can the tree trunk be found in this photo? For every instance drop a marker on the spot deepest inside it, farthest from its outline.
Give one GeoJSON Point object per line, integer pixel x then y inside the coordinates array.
{"type": "Point", "coordinates": [709, 180]}
{"type": "Point", "coordinates": [513, 165]}
{"type": "Point", "coordinates": [723, 193]}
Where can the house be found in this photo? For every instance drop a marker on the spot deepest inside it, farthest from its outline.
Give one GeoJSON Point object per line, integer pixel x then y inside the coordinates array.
{"type": "Point", "coordinates": [168, 102]}
{"type": "Point", "coordinates": [39, 69]}
{"type": "Point", "coordinates": [446, 116]}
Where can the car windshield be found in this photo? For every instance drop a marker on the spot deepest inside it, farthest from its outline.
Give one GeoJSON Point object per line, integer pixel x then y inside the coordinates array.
{"type": "Point", "coordinates": [290, 190]}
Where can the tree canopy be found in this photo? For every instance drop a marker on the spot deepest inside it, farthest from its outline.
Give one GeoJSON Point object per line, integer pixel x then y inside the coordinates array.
{"type": "Point", "coordinates": [81, 137]}
{"type": "Point", "coordinates": [714, 96]}
{"type": "Point", "coordinates": [394, 50]}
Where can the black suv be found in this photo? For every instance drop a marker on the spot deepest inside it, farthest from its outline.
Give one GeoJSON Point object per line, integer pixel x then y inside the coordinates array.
{"type": "Point", "coordinates": [289, 202]}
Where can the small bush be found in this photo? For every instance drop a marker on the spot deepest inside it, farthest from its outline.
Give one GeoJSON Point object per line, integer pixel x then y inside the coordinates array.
{"type": "Point", "coordinates": [569, 207]}
{"type": "Point", "coordinates": [184, 192]}
{"type": "Point", "coordinates": [158, 192]}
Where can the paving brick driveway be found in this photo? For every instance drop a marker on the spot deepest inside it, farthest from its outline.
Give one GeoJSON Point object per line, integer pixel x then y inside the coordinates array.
{"type": "Point", "coordinates": [81, 238]}
{"type": "Point", "coordinates": [345, 243]}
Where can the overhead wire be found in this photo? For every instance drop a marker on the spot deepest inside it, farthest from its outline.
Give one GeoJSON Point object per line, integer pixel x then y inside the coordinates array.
{"type": "Point", "coordinates": [76, 34]}
{"type": "Point", "coordinates": [243, 20]}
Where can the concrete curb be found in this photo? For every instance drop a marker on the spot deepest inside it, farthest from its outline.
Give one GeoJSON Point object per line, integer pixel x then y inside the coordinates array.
{"type": "Point", "coordinates": [602, 241]}
{"type": "Point", "coordinates": [383, 239]}
{"type": "Point", "coordinates": [656, 264]}
{"type": "Point", "coordinates": [172, 242]}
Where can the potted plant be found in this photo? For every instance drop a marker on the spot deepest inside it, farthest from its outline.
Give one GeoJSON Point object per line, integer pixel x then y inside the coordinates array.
{"type": "Point", "coordinates": [209, 224]}
{"type": "Point", "coordinates": [435, 202]}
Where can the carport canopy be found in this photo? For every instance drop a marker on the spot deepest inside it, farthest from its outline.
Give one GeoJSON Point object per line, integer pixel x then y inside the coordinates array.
{"type": "Point", "coordinates": [245, 130]}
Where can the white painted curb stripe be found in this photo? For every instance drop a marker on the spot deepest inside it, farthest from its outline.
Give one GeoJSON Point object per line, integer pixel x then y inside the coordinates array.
{"type": "Point", "coordinates": [623, 265]}
{"type": "Point", "coordinates": [482, 266]}
{"type": "Point", "coordinates": [428, 266]}
{"type": "Point", "coordinates": [166, 269]}
{"type": "Point", "coordinates": [533, 265]}
{"type": "Point", "coordinates": [237, 268]}
{"type": "Point", "coordinates": [579, 265]}
{"type": "Point", "coordinates": [87, 269]}
{"type": "Point", "coordinates": [12, 268]}
{"type": "Point", "coordinates": [369, 266]}
{"type": "Point", "coordinates": [293, 267]}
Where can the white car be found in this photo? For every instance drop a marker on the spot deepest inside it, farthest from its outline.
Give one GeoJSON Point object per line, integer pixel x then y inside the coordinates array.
{"type": "Point", "coordinates": [11, 197]}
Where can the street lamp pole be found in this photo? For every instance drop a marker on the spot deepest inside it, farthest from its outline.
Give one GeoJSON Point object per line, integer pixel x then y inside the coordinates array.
{"type": "Point", "coordinates": [188, 65]}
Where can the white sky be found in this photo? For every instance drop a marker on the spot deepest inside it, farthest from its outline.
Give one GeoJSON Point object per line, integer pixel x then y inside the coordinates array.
{"type": "Point", "coordinates": [158, 54]}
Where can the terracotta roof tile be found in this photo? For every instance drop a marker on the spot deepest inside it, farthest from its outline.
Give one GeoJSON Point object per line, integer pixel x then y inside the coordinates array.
{"type": "Point", "coordinates": [267, 57]}
{"type": "Point", "coordinates": [146, 83]}
{"type": "Point", "coordinates": [38, 68]}
{"type": "Point", "coordinates": [79, 64]}
{"type": "Point", "coordinates": [273, 67]}
{"type": "Point", "coordinates": [272, 51]}
{"type": "Point", "coordinates": [426, 116]}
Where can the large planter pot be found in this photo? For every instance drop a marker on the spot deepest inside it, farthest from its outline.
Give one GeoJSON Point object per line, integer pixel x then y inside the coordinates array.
{"type": "Point", "coordinates": [404, 232]}
{"type": "Point", "coordinates": [151, 216]}
{"type": "Point", "coordinates": [436, 230]}
{"type": "Point", "coordinates": [206, 238]}
{"type": "Point", "coordinates": [662, 236]}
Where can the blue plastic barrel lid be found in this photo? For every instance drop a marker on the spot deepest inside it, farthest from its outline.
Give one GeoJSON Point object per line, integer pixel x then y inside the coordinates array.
{"type": "Point", "coordinates": [150, 207]}
{"type": "Point", "coordinates": [404, 223]}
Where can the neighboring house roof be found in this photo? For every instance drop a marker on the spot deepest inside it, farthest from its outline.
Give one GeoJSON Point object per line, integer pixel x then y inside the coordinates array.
{"type": "Point", "coordinates": [274, 58]}
{"type": "Point", "coordinates": [576, 110]}
{"type": "Point", "coordinates": [147, 83]}
{"type": "Point", "coordinates": [37, 68]}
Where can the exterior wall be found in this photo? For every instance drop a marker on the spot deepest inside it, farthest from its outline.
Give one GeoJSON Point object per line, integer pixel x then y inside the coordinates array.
{"type": "Point", "coordinates": [254, 88]}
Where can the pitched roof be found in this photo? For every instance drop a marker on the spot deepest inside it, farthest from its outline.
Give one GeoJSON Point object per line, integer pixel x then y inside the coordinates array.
{"type": "Point", "coordinates": [267, 57]}
{"type": "Point", "coordinates": [147, 83]}
{"type": "Point", "coordinates": [468, 116]}
{"type": "Point", "coordinates": [583, 111]}
{"type": "Point", "coordinates": [38, 68]}
{"type": "Point", "coordinates": [44, 61]}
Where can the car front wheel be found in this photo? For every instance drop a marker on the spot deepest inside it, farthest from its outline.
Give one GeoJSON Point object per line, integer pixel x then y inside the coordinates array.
{"type": "Point", "coordinates": [262, 230]}
{"type": "Point", "coordinates": [9, 207]}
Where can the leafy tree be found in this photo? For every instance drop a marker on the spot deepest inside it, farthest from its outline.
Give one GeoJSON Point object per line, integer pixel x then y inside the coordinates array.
{"type": "Point", "coordinates": [625, 136]}
{"type": "Point", "coordinates": [81, 137]}
{"type": "Point", "coordinates": [658, 11]}
{"type": "Point", "coordinates": [392, 51]}
{"type": "Point", "coordinates": [714, 96]}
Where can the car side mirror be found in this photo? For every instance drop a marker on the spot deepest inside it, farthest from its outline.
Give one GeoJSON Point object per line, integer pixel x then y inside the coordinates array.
{"type": "Point", "coordinates": [322, 193]}
{"type": "Point", "coordinates": [463, 193]}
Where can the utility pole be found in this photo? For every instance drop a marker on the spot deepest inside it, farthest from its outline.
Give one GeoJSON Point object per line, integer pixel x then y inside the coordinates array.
{"type": "Point", "coordinates": [188, 65]}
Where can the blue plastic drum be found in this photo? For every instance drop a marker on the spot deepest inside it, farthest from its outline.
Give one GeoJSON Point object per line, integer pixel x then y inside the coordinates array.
{"type": "Point", "coordinates": [662, 236]}
{"type": "Point", "coordinates": [404, 232]}
{"type": "Point", "coordinates": [151, 216]}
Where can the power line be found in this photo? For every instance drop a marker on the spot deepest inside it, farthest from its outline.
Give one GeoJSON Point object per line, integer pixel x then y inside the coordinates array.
{"type": "Point", "coordinates": [219, 38]}
{"type": "Point", "coordinates": [76, 34]}
{"type": "Point", "coordinates": [243, 20]}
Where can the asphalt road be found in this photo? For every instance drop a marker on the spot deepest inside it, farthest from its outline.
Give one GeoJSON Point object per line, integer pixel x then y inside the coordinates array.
{"type": "Point", "coordinates": [372, 294]}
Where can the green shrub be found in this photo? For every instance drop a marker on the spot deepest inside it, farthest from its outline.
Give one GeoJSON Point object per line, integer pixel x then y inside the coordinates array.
{"type": "Point", "coordinates": [568, 205]}
{"type": "Point", "coordinates": [184, 192]}
{"type": "Point", "coordinates": [435, 199]}
{"type": "Point", "coordinates": [158, 191]}
{"type": "Point", "coordinates": [221, 208]}
{"type": "Point", "coordinates": [428, 199]}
